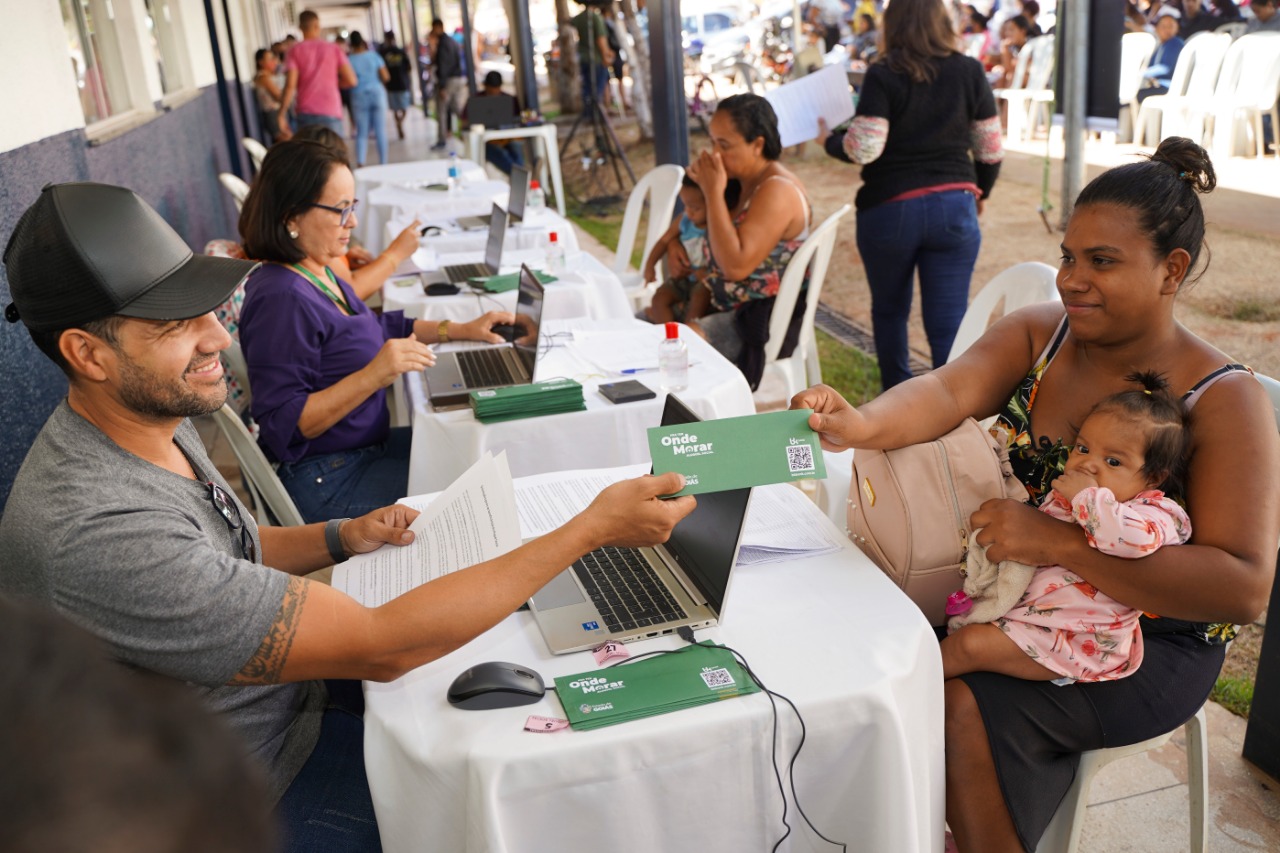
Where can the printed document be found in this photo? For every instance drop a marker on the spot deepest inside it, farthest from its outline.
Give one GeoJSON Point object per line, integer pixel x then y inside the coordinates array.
{"type": "Point", "coordinates": [472, 521]}
{"type": "Point", "coordinates": [799, 104]}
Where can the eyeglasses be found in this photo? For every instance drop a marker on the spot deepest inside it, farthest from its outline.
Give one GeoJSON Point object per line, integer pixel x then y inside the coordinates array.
{"type": "Point", "coordinates": [226, 507]}
{"type": "Point", "coordinates": [344, 213]}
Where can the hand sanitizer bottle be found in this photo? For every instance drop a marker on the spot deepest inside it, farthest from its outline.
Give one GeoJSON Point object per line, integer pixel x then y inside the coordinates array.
{"type": "Point", "coordinates": [453, 173]}
{"type": "Point", "coordinates": [537, 199]}
{"type": "Point", "coordinates": [673, 361]}
{"type": "Point", "coordinates": [555, 254]}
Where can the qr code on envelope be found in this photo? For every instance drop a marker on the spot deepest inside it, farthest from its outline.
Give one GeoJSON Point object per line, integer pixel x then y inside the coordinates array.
{"type": "Point", "coordinates": [717, 678]}
{"type": "Point", "coordinates": [800, 458]}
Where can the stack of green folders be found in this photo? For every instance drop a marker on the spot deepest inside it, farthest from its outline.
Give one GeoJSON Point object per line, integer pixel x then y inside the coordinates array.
{"type": "Point", "coordinates": [527, 401]}
{"type": "Point", "coordinates": [509, 281]}
{"type": "Point", "coordinates": [693, 675]}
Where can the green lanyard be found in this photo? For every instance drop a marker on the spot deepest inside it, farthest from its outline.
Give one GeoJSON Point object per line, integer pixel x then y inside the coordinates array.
{"type": "Point", "coordinates": [324, 288]}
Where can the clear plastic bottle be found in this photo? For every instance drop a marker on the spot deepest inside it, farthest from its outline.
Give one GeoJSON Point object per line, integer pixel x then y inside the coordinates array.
{"type": "Point", "coordinates": [537, 199]}
{"type": "Point", "coordinates": [555, 254]}
{"type": "Point", "coordinates": [673, 361]}
{"type": "Point", "coordinates": [453, 181]}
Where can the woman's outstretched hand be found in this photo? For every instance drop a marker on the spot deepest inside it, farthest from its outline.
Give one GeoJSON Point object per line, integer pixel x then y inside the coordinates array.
{"type": "Point", "coordinates": [839, 425]}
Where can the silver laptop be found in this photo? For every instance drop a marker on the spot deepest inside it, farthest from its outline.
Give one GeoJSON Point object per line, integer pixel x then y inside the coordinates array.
{"type": "Point", "coordinates": [631, 594]}
{"type": "Point", "coordinates": [456, 374]}
{"type": "Point", "coordinates": [515, 202]}
{"type": "Point", "coordinates": [459, 273]}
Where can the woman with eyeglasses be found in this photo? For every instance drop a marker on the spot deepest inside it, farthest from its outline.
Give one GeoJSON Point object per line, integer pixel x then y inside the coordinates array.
{"type": "Point", "coordinates": [319, 360]}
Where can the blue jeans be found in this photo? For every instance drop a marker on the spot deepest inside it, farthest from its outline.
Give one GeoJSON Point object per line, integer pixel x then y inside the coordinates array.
{"type": "Point", "coordinates": [328, 805]}
{"type": "Point", "coordinates": [304, 119]}
{"type": "Point", "coordinates": [370, 111]}
{"type": "Point", "coordinates": [936, 234]}
{"type": "Point", "coordinates": [350, 483]}
{"type": "Point", "coordinates": [594, 94]}
{"type": "Point", "coordinates": [505, 156]}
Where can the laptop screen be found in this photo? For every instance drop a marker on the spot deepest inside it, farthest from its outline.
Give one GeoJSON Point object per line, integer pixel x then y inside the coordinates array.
{"type": "Point", "coordinates": [529, 315]}
{"type": "Point", "coordinates": [497, 232]}
{"type": "Point", "coordinates": [703, 543]}
{"type": "Point", "coordinates": [519, 192]}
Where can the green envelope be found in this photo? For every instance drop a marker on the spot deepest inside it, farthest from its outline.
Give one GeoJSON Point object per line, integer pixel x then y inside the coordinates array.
{"type": "Point", "coordinates": [692, 675]}
{"type": "Point", "coordinates": [736, 453]}
{"type": "Point", "coordinates": [509, 281]}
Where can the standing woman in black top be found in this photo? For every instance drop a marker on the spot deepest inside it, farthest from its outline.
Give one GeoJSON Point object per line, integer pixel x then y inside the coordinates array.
{"type": "Point", "coordinates": [923, 109]}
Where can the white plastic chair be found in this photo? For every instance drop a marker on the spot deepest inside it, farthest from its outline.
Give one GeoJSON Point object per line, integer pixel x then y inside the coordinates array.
{"type": "Point", "coordinates": [1135, 53]}
{"type": "Point", "coordinates": [257, 151]}
{"type": "Point", "coordinates": [1235, 29]}
{"type": "Point", "coordinates": [801, 369]}
{"type": "Point", "coordinates": [239, 189]}
{"type": "Point", "coordinates": [270, 500]}
{"type": "Point", "coordinates": [659, 188]}
{"type": "Point", "coordinates": [1245, 95]}
{"type": "Point", "coordinates": [1063, 832]}
{"type": "Point", "coordinates": [1018, 286]}
{"type": "Point", "coordinates": [1027, 104]}
{"type": "Point", "coordinates": [1194, 77]}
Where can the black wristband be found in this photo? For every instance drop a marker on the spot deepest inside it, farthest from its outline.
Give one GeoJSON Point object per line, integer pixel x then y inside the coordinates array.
{"type": "Point", "coordinates": [333, 540]}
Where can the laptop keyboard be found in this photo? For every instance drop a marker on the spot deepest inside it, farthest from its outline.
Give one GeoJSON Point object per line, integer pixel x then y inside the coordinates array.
{"type": "Point", "coordinates": [462, 272]}
{"type": "Point", "coordinates": [625, 589]}
{"type": "Point", "coordinates": [483, 367]}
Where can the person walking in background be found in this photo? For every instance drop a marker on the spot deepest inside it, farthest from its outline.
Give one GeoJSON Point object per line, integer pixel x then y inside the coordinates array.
{"type": "Point", "coordinates": [268, 87]}
{"type": "Point", "coordinates": [594, 54]}
{"type": "Point", "coordinates": [368, 98]}
{"type": "Point", "coordinates": [924, 109]}
{"type": "Point", "coordinates": [451, 86]}
{"type": "Point", "coordinates": [398, 94]}
{"type": "Point", "coordinates": [316, 72]}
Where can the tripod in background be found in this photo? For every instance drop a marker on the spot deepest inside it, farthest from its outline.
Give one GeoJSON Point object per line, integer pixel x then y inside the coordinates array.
{"type": "Point", "coordinates": [590, 161]}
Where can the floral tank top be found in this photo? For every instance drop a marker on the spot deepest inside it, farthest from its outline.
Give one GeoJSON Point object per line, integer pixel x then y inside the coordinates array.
{"type": "Point", "coordinates": [767, 278]}
{"type": "Point", "coordinates": [1037, 462]}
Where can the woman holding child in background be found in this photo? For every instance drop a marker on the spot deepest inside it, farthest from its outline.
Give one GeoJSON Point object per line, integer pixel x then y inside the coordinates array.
{"type": "Point", "coordinates": [752, 241]}
{"type": "Point", "coordinates": [1135, 236]}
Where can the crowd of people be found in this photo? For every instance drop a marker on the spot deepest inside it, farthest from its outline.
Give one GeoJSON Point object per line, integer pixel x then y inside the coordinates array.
{"type": "Point", "coordinates": [155, 555]}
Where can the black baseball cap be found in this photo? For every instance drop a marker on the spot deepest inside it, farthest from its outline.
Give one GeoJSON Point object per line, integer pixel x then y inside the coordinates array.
{"type": "Point", "coordinates": [87, 251]}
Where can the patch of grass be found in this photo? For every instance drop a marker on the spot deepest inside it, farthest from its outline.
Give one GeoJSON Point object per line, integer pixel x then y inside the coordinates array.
{"type": "Point", "coordinates": [848, 370]}
{"type": "Point", "coordinates": [606, 229]}
{"type": "Point", "coordinates": [1234, 694]}
{"type": "Point", "coordinates": [1251, 311]}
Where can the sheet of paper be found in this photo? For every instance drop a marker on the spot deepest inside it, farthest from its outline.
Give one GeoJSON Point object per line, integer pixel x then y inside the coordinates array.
{"type": "Point", "coordinates": [799, 104]}
{"type": "Point", "coordinates": [472, 521]}
{"type": "Point", "coordinates": [783, 524]}
{"type": "Point", "coordinates": [546, 501]}
{"type": "Point", "coordinates": [633, 350]}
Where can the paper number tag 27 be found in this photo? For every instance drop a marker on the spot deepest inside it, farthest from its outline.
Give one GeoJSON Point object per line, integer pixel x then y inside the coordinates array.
{"type": "Point", "coordinates": [544, 724]}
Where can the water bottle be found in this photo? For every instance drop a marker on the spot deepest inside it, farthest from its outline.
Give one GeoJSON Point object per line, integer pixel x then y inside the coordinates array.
{"type": "Point", "coordinates": [453, 174]}
{"type": "Point", "coordinates": [537, 199]}
{"type": "Point", "coordinates": [673, 361]}
{"type": "Point", "coordinates": [555, 254]}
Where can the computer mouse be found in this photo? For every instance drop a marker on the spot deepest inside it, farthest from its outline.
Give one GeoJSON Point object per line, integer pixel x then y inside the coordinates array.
{"type": "Point", "coordinates": [496, 684]}
{"type": "Point", "coordinates": [509, 331]}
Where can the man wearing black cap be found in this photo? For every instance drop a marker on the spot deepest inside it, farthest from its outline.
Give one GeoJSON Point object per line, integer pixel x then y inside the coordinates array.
{"type": "Point", "coordinates": [118, 519]}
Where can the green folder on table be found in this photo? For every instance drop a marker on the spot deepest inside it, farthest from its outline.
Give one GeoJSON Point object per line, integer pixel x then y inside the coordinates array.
{"type": "Point", "coordinates": [503, 283]}
{"type": "Point", "coordinates": [527, 401]}
{"type": "Point", "coordinates": [693, 675]}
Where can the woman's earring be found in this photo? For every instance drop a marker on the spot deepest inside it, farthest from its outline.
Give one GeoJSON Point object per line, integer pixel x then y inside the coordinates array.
{"type": "Point", "coordinates": [293, 235]}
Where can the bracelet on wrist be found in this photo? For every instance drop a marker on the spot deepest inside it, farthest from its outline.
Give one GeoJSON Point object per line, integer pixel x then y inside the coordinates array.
{"type": "Point", "coordinates": [442, 332]}
{"type": "Point", "coordinates": [333, 539]}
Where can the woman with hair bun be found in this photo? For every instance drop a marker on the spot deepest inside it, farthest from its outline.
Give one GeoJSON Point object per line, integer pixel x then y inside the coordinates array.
{"type": "Point", "coordinates": [752, 242]}
{"type": "Point", "coordinates": [928, 136]}
{"type": "Point", "coordinates": [1135, 238]}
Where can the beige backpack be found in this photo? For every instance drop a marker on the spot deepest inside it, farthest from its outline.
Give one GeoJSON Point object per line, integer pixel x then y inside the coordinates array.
{"type": "Point", "coordinates": [909, 509]}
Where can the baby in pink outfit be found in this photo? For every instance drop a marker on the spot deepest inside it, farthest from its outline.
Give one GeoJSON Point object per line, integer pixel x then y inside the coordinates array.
{"type": "Point", "coordinates": [1131, 444]}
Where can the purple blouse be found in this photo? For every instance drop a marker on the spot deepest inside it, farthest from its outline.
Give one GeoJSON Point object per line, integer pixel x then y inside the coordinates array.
{"type": "Point", "coordinates": [296, 342]}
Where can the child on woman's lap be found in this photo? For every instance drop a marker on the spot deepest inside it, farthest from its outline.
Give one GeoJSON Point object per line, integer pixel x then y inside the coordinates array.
{"type": "Point", "coordinates": [686, 266]}
{"type": "Point", "coordinates": [1130, 446]}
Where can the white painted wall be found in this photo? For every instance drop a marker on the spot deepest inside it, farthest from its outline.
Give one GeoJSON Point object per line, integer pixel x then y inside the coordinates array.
{"type": "Point", "coordinates": [38, 97]}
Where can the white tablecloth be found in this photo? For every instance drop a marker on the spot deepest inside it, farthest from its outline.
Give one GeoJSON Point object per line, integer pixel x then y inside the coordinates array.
{"type": "Point", "coordinates": [446, 443]}
{"type": "Point", "coordinates": [431, 207]}
{"type": "Point", "coordinates": [434, 171]}
{"type": "Point", "coordinates": [533, 232]}
{"type": "Point", "coordinates": [586, 288]}
{"type": "Point", "coordinates": [831, 633]}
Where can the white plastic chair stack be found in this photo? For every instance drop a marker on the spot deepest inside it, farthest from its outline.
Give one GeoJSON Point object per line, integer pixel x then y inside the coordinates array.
{"type": "Point", "coordinates": [239, 189]}
{"type": "Point", "coordinates": [660, 188]}
{"type": "Point", "coordinates": [801, 369]}
{"type": "Point", "coordinates": [1135, 53]}
{"type": "Point", "coordinates": [1191, 114]}
{"type": "Point", "coordinates": [1028, 104]}
{"type": "Point", "coordinates": [1234, 118]}
{"type": "Point", "coordinates": [1194, 77]}
{"type": "Point", "coordinates": [257, 151]}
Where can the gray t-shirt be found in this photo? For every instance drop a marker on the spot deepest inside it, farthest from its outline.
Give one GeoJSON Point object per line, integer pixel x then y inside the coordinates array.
{"type": "Point", "coordinates": [140, 557]}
